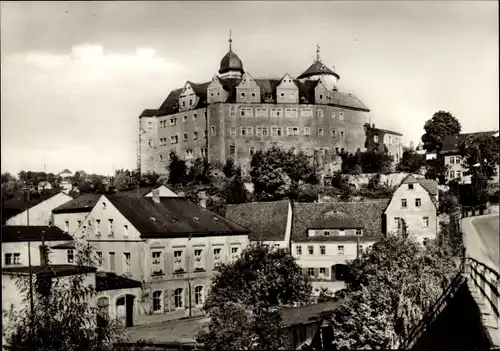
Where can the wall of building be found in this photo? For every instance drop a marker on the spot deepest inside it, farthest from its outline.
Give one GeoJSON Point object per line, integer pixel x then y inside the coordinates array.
{"type": "Point", "coordinates": [119, 312]}
{"type": "Point", "coordinates": [149, 151]}
{"type": "Point", "coordinates": [55, 256]}
{"type": "Point", "coordinates": [412, 215]}
{"type": "Point", "coordinates": [74, 220]}
{"type": "Point", "coordinates": [40, 214]}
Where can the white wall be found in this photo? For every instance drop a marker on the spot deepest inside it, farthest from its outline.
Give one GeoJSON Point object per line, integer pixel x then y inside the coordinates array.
{"type": "Point", "coordinates": [72, 218]}
{"type": "Point", "coordinates": [40, 214]}
{"type": "Point", "coordinates": [55, 256]}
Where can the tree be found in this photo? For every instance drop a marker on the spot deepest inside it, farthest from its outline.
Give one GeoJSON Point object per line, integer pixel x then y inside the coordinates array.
{"type": "Point", "coordinates": [229, 168]}
{"type": "Point", "coordinates": [245, 299]}
{"type": "Point", "coordinates": [235, 191]}
{"type": "Point", "coordinates": [440, 125]}
{"type": "Point", "coordinates": [410, 162]}
{"type": "Point", "coordinates": [177, 167]}
{"type": "Point", "coordinates": [412, 278]}
{"type": "Point", "coordinates": [436, 169]}
{"type": "Point", "coordinates": [376, 161]}
{"type": "Point", "coordinates": [63, 317]}
{"type": "Point", "coordinates": [123, 180]}
{"type": "Point", "coordinates": [448, 202]}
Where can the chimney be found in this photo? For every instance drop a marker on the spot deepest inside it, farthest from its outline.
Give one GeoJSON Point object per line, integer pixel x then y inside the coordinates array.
{"type": "Point", "coordinates": [156, 196]}
{"type": "Point", "coordinates": [203, 199]}
{"type": "Point", "coordinates": [373, 125]}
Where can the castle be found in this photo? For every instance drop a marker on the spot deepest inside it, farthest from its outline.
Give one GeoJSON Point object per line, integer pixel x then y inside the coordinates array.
{"type": "Point", "coordinates": [234, 115]}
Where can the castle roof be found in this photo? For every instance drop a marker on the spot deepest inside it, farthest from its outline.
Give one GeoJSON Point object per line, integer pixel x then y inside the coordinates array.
{"type": "Point", "coordinates": [318, 68]}
{"type": "Point", "coordinates": [230, 62]}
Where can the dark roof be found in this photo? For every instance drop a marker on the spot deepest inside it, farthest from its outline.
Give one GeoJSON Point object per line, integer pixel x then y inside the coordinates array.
{"type": "Point", "coordinates": [172, 216]}
{"type": "Point", "coordinates": [430, 185]}
{"type": "Point", "coordinates": [201, 92]}
{"type": "Point", "coordinates": [83, 203]}
{"type": "Point", "coordinates": [110, 281]}
{"type": "Point", "coordinates": [266, 220]}
{"type": "Point", "coordinates": [20, 233]}
{"type": "Point", "coordinates": [66, 245]}
{"type": "Point", "coordinates": [230, 62]}
{"type": "Point", "coordinates": [306, 90]}
{"type": "Point", "coordinates": [141, 192]}
{"type": "Point", "coordinates": [148, 113]}
{"type": "Point", "coordinates": [307, 313]}
{"type": "Point", "coordinates": [20, 203]}
{"type": "Point", "coordinates": [316, 68]}
{"type": "Point", "coordinates": [171, 103]}
{"type": "Point", "coordinates": [362, 214]}
{"type": "Point", "coordinates": [451, 143]}
{"type": "Point", "coordinates": [54, 270]}
{"type": "Point", "coordinates": [385, 131]}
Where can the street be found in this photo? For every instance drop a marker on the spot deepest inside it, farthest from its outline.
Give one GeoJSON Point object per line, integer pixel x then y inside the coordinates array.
{"type": "Point", "coordinates": [183, 330]}
{"type": "Point", "coordinates": [487, 228]}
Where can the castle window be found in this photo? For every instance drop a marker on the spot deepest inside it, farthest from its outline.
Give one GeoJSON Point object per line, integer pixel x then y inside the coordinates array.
{"type": "Point", "coordinates": [185, 137]}
{"type": "Point", "coordinates": [307, 131]}
{"type": "Point", "coordinates": [291, 112]}
{"type": "Point", "coordinates": [246, 131]}
{"type": "Point", "coordinates": [174, 139]}
{"type": "Point", "coordinates": [150, 143]}
{"type": "Point", "coordinates": [341, 116]}
{"type": "Point", "coordinates": [195, 135]}
{"type": "Point", "coordinates": [242, 94]}
{"type": "Point", "coordinates": [213, 130]}
{"type": "Point", "coordinates": [232, 111]}
{"type": "Point", "coordinates": [342, 134]}
{"type": "Point", "coordinates": [292, 94]}
{"type": "Point", "coordinates": [277, 131]}
{"type": "Point", "coordinates": [184, 119]}
{"type": "Point", "coordinates": [276, 112]}
{"type": "Point", "coordinates": [265, 131]}
{"type": "Point", "coordinates": [334, 133]}
{"type": "Point", "coordinates": [232, 150]}
{"type": "Point", "coordinates": [195, 117]}
{"type": "Point", "coordinates": [252, 150]}
{"type": "Point", "coordinates": [342, 150]}
{"type": "Point", "coordinates": [306, 112]}
{"type": "Point", "coordinates": [190, 102]}
{"type": "Point", "coordinates": [232, 131]}
{"type": "Point", "coordinates": [173, 121]}
{"type": "Point", "coordinates": [452, 160]}
{"type": "Point", "coordinates": [292, 131]}
{"type": "Point", "coordinates": [320, 132]}
{"type": "Point", "coordinates": [161, 157]}
{"type": "Point", "coordinates": [243, 112]}
{"type": "Point", "coordinates": [184, 103]}
{"type": "Point", "coordinates": [253, 94]}
{"type": "Point", "coordinates": [333, 114]}
{"type": "Point", "coordinates": [260, 112]}
{"type": "Point", "coordinates": [321, 97]}
{"type": "Point", "coordinates": [258, 130]}
{"type": "Point", "coordinates": [337, 150]}
{"type": "Point", "coordinates": [189, 155]}
{"type": "Point", "coordinates": [320, 113]}
{"type": "Point", "coordinates": [390, 140]}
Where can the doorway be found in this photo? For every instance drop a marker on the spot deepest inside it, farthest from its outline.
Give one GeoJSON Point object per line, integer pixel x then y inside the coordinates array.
{"type": "Point", "coordinates": [125, 310]}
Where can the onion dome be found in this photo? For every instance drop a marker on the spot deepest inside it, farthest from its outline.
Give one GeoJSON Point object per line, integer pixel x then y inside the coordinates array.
{"type": "Point", "coordinates": [230, 62]}
{"type": "Point", "coordinates": [318, 68]}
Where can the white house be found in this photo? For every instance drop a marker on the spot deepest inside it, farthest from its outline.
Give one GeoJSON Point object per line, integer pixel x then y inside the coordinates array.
{"type": "Point", "coordinates": [41, 213]}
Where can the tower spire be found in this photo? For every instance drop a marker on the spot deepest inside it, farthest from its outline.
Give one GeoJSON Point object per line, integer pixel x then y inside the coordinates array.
{"type": "Point", "coordinates": [230, 40]}
{"type": "Point", "coordinates": [318, 59]}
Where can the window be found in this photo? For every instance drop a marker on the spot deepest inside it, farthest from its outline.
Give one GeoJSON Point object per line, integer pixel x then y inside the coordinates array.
{"type": "Point", "coordinates": [320, 113]}
{"type": "Point", "coordinates": [234, 253]}
{"type": "Point", "coordinates": [178, 264]}
{"type": "Point", "coordinates": [298, 250]}
{"type": "Point", "coordinates": [79, 223]}
{"type": "Point", "coordinates": [310, 249]}
{"type": "Point", "coordinates": [326, 233]}
{"type": "Point", "coordinates": [333, 114]}
{"type": "Point", "coordinates": [212, 130]}
{"type": "Point", "coordinates": [195, 117]}
{"type": "Point", "coordinates": [70, 254]}
{"type": "Point", "coordinates": [410, 186]}
{"type": "Point", "coordinates": [185, 138]}
{"type": "Point", "coordinates": [198, 259]}
{"type": "Point", "coordinates": [232, 131]}
{"type": "Point", "coordinates": [103, 307]}
{"type": "Point", "coordinates": [198, 295]}
{"type": "Point", "coordinates": [457, 160]}
{"type": "Point", "coordinates": [291, 112]}
{"type": "Point", "coordinates": [403, 203]}
{"type": "Point", "coordinates": [184, 119]}
{"type": "Point", "coordinates": [112, 261]}
{"type": "Point", "coordinates": [66, 226]}
{"type": "Point", "coordinates": [306, 112]}
{"type": "Point", "coordinates": [188, 154]}
{"type": "Point", "coordinates": [232, 150]}
{"type": "Point", "coordinates": [217, 257]}
{"type": "Point", "coordinates": [322, 271]}
{"type": "Point", "coordinates": [150, 143]}
{"type": "Point", "coordinates": [340, 249]}
{"type": "Point", "coordinates": [320, 131]}
{"type": "Point", "coordinates": [341, 116]}
{"type": "Point", "coordinates": [390, 140]}
{"type": "Point", "coordinates": [452, 160]}
{"type": "Point", "coordinates": [265, 131]}
{"type": "Point", "coordinates": [310, 272]}
{"type": "Point", "coordinates": [157, 301]}
{"type": "Point", "coordinates": [359, 231]}
{"type": "Point", "coordinates": [126, 258]}
{"type": "Point", "coordinates": [321, 97]}
{"type": "Point", "coordinates": [276, 112]}
{"type": "Point", "coordinates": [125, 230]}
{"type": "Point", "coordinates": [322, 249]}
{"type": "Point", "coordinates": [258, 130]}
{"type": "Point", "coordinates": [292, 131]}
{"type": "Point", "coordinates": [307, 131]}
{"type": "Point", "coordinates": [246, 130]}
{"type": "Point", "coordinates": [458, 174]}
{"type": "Point", "coordinates": [342, 134]}
{"type": "Point", "coordinates": [242, 94]}
{"type": "Point", "coordinates": [232, 112]}
{"type": "Point", "coordinates": [253, 94]}
{"type": "Point", "coordinates": [260, 112]}
{"type": "Point", "coordinates": [156, 262]}
{"type": "Point", "coordinates": [111, 230]}
{"type": "Point", "coordinates": [282, 96]}
{"type": "Point", "coordinates": [277, 131]}
{"type": "Point", "coordinates": [334, 133]}
{"type": "Point", "coordinates": [425, 222]}
{"type": "Point", "coordinates": [252, 150]}
{"type": "Point", "coordinates": [8, 259]}
{"type": "Point", "coordinates": [173, 121]}
{"type": "Point", "coordinates": [174, 139]}
{"type": "Point", "coordinates": [397, 222]}
{"type": "Point", "coordinates": [178, 297]}
{"type": "Point", "coordinates": [418, 202]}
{"type": "Point", "coordinates": [99, 258]}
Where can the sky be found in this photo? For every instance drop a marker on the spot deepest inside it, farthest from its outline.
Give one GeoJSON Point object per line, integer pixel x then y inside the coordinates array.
{"type": "Point", "coordinates": [75, 76]}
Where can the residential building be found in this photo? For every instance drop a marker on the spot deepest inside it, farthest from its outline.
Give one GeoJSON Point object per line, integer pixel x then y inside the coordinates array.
{"type": "Point", "coordinates": [269, 222]}
{"type": "Point", "coordinates": [413, 208]}
{"type": "Point", "coordinates": [66, 186]}
{"type": "Point", "coordinates": [41, 213]}
{"type": "Point", "coordinates": [384, 140]}
{"type": "Point", "coordinates": [453, 160]}
{"type": "Point", "coordinates": [171, 244]}
{"type": "Point", "coordinates": [44, 186]}
{"type": "Point", "coordinates": [234, 115]}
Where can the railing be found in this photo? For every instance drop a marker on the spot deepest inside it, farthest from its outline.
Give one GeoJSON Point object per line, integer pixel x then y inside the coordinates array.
{"type": "Point", "coordinates": [486, 280]}
{"type": "Point", "coordinates": [472, 211]}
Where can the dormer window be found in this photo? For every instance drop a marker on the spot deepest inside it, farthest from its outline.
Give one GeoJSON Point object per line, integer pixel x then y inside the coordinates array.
{"type": "Point", "coordinates": [326, 233]}
{"type": "Point", "coordinates": [253, 94]}
{"type": "Point", "coordinates": [242, 94]}
{"type": "Point", "coordinates": [410, 186]}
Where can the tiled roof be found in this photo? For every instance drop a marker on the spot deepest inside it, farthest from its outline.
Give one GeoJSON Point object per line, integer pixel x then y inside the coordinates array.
{"type": "Point", "coordinates": [451, 143]}
{"type": "Point", "coordinates": [307, 313]}
{"type": "Point", "coordinates": [266, 220]}
{"type": "Point", "coordinates": [110, 281]}
{"type": "Point", "coordinates": [201, 92]}
{"type": "Point", "coordinates": [66, 245]}
{"type": "Point", "coordinates": [366, 214]}
{"type": "Point", "coordinates": [386, 131]}
{"type": "Point", "coordinates": [306, 90]}
{"type": "Point", "coordinates": [430, 185]}
{"type": "Point", "coordinates": [173, 216]}
{"type": "Point", "coordinates": [18, 202]}
{"type": "Point", "coordinates": [54, 270]}
{"type": "Point", "coordinates": [171, 103]}
{"type": "Point", "coordinates": [148, 113]}
{"type": "Point", "coordinates": [20, 233]}
{"type": "Point", "coordinates": [83, 203]}
{"type": "Point", "coordinates": [318, 68]}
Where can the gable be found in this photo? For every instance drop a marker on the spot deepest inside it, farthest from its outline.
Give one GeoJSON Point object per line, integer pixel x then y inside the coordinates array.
{"type": "Point", "coordinates": [287, 82]}
{"type": "Point", "coordinates": [164, 192]}
{"type": "Point", "coordinates": [247, 82]}
{"type": "Point", "coordinates": [215, 83]}
{"type": "Point", "coordinates": [188, 90]}
{"type": "Point", "coordinates": [321, 85]}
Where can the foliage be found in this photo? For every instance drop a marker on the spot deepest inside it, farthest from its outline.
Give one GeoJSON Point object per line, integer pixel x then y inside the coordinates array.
{"type": "Point", "coordinates": [436, 169]}
{"type": "Point", "coordinates": [244, 300]}
{"type": "Point", "coordinates": [63, 319]}
{"type": "Point", "coordinates": [372, 161]}
{"type": "Point", "coordinates": [440, 125]}
{"type": "Point", "coordinates": [229, 168]}
{"type": "Point", "coordinates": [307, 193]}
{"type": "Point", "coordinates": [410, 162]}
{"type": "Point", "coordinates": [412, 278]}
{"type": "Point", "coordinates": [339, 180]}
{"type": "Point", "coordinates": [276, 173]}
{"type": "Point", "coordinates": [235, 191]}
{"type": "Point", "coordinates": [177, 169]}
{"type": "Point", "coordinates": [448, 202]}
{"type": "Point", "coordinates": [351, 163]}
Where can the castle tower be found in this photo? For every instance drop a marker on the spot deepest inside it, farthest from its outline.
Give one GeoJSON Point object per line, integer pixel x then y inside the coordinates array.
{"type": "Point", "coordinates": [231, 65]}
{"type": "Point", "coordinates": [318, 70]}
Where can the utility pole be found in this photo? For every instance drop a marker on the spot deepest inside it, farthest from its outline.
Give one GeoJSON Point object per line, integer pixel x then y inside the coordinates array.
{"type": "Point", "coordinates": [189, 277]}
{"type": "Point", "coordinates": [29, 258]}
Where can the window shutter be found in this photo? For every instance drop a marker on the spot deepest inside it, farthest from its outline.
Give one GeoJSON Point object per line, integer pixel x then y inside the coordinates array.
{"type": "Point", "coordinates": [186, 298]}
{"type": "Point", "coordinates": [327, 272]}
{"type": "Point", "coordinates": [316, 272]}
{"type": "Point", "coordinates": [304, 271]}
{"type": "Point", "coordinates": [166, 300]}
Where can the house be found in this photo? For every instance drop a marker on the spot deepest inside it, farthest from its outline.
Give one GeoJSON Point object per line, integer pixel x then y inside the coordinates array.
{"type": "Point", "coordinates": [172, 245]}
{"type": "Point", "coordinates": [66, 186]}
{"type": "Point", "coordinates": [413, 208]}
{"type": "Point", "coordinates": [22, 201]}
{"type": "Point", "coordinates": [325, 236]}
{"type": "Point", "coordinates": [65, 174]}
{"type": "Point", "coordinates": [71, 215]}
{"type": "Point", "coordinates": [44, 185]}
{"type": "Point", "coordinates": [41, 213]}
{"type": "Point", "coordinates": [269, 222]}
{"type": "Point", "coordinates": [454, 162]}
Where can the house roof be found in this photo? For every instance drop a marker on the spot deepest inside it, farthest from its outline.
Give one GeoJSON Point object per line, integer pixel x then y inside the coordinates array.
{"type": "Point", "coordinates": [362, 214]}
{"type": "Point", "coordinates": [386, 131]}
{"type": "Point", "coordinates": [451, 143]}
{"type": "Point", "coordinates": [266, 220]}
{"type": "Point", "coordinates": [54, 270]}
{"type": "Point", "coordinates": [148, 113]}
{"type": "Point", "coordinates": [307, 313]}
{"type": "Point", "coordinates": [64, 246]}
{"type": "Point", "coordinates": [267, 88]}
{"type": "Point", "coordinates": [110, 281]}
{"type": "Point", "coordinates": [172, 216]}
{"type": "Point", "coordinates": [430, 185]}
{"type": "Point", "coordinates": [20, 233]}
{"type": "Point", "coordinates": [83, 203]}
{"type": "Point", "coordinates": [317, 68]}
{"type": "Point", "coordinates": [19, 202]}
